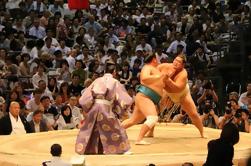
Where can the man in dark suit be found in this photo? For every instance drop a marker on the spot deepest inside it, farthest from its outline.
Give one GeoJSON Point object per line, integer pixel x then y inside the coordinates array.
{"type": "Point", "coordinates": [37, 123]}
{"type": "Point", "coordinates": [13, 123]}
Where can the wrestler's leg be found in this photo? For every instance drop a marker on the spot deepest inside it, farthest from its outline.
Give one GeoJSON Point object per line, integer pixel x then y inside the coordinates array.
{"type": "Point", "coordinates": [136, 118]}
{"type": "Point", "coordinates": [187, 105]}
{"type": "Point", "coordinates": [148, 108]}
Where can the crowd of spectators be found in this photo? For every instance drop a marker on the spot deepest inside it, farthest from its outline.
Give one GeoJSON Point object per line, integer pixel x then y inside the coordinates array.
{"type": "Point", "coordinates": [49, 54]}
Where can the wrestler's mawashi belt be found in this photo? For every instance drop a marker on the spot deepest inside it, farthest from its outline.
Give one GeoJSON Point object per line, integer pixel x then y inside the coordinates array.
{"type": "Point", "coordinates": [155, 97]}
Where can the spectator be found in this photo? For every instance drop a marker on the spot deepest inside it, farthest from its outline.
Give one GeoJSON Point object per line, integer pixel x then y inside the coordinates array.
{"type": "Point", "coordinates": [80, 72]}
{"type": "Point", "coordinates": [2, 107]}
{"type": "Point", "coordinates": [64, 72]}
{"type": "Point", "coordinates": [34, 103]}
{"type": "Point", "coordinates": [209, 118]}
{"type": "Point", "coordinates": [40, 75]}
{"type": "Point", "coordinates": [65, 92]}
{"type": "Point", "coordinates": [52, 86]}
{"type": "Point", "coordinates": [56, 152]}
{"type": "Point", "coordinates": [244, 97]}
{"type": "Point", "coordinates": [76, 111]}
{"type": "Point", "coordinates": [36, 30]}
{"type": "Point", "coordinates": [37, 123]}
{"type": "Point", "coordinates": [66, 120]}
{"type": "Point", "coordinates": [221, 151]}
{"type": "Point", "coordinates": [13, 123]}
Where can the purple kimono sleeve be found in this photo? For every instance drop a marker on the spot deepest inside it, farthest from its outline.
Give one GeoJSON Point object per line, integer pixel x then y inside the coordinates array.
{"type": "Point", "coordinates": [86, 100]}
{"type": "Point", "coordinates": [123, 101]}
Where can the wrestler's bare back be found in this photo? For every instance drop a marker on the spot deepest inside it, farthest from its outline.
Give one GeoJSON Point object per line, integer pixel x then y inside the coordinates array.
{"type": "Point", "coordinates": [152, 78]}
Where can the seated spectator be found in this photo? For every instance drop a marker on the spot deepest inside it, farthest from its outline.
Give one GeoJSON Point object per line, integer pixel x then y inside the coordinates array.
{"type": "Point", "coordinates": [125, 74]}
{"type": "Point", "coordinates": [209, 118]}
{"type": "Point", "coordinates": [245, 97]}
{"type": "Point", "coordinates": [64, 72]}
{"type": "Point", "coordinates": [43, 88]}
{"type": "Point", "coordinates": [34, 103]}
{"type": "Point", "coordinates": [80, 72]}
{"type": "Point", "coordinates": [13, 123]}
{"type": "Point", "coordinates": [221, 151]}
{"type": "Point", "coordinates": [208, 94]}
{"type": "Point", "coordinates": [52, 85]}
{"type": "Point", "coordinates": [64, 91]}
{"type": "Point", "coordinates": [50, 111]}
{"type": "Point", "coordinates": [76, 111]}
{"type": "Point", "coordinates": [66, 120]}
{"type": "Point", "coordinates": [241, 120]}
{"type": "Point", "coordinates": [40, 75]}
{"type": "Point", "coordinates": [2, 107]}
{"type": "Point", "coordinates": [187, 164]}
{"type": "Point", "coordinates": [56, 151]}
{"type": "Point", "coordinates": [37, 123]}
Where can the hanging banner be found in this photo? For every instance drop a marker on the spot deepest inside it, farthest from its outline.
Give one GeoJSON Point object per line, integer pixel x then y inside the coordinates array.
{"type": "Point", "coordinates": [78, 4]}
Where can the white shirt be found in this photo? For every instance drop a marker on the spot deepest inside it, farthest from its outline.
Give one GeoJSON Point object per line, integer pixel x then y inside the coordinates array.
{"type": "Point", "coordinates": [31, 105]}
{"type": "Point", "coordinates": [36, 78]}
{"type": "Point", "coordinates": [147, 48]}
{"type": "Point", "coordinates": [17, 125]}
{"type": "Point", "coordinates": [56, 161]}
{"type": "Point", "coordinates": [71, 61]}
{"type": "Point", "coordinates": [37, 32]}
{"type": "Point", "coordinates": [37, 127]}
{"type": "Point", "coordinates": [173, 46]}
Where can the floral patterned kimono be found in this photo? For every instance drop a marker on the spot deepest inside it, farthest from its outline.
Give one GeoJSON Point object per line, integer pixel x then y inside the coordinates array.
{"type": "Point", "coordinates": [106, 102]}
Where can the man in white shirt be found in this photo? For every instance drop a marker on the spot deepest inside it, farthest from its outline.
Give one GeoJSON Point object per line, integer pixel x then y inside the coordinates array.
{"type": "Point", "coordinates": [56, 151]}
{"type": "Point", "coordinates": [244, 99]}
{"type": "Point", "coordinates": [76, 111]}
{"type": "Point", "coordinates": [40, 75]}
{"type": "Point", "coordinates": [13, 123]}
{"type": "Point", "coordinates": [172, 49]}
{"type": "Point", "coordinates": [36, 30]}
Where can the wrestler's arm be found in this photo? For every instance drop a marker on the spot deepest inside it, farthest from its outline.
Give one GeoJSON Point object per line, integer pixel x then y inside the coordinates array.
{"type": "Point", "coordinates": [178, 85]}
{"type": "Point", "coordinates": [147, 77]}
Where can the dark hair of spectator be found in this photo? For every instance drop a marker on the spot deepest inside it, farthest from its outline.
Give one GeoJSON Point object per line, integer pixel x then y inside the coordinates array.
{"type": "Point", "coordinates": [187, 164]}
{"type": "Point", "coordinates": [64, 62]}
{"type": "Point", "coordinates": [37, 91]}
{"type": "Point", "coordinates": [44, 98]}
{"type": "Point", "coordinates": [230, 134]}
{"type": "Point", "coordinates": [37, 112]}
{"type": "Point", "coordinates": [56, 150]}
{"type": "Point", "coordinates": [66, 118]}
{"type": "Point", "coordinates": [25, 55]}
{"type": "Point", "coordinates": [75, 75]}
{"type": "Point", "coordinates": [58, 53]}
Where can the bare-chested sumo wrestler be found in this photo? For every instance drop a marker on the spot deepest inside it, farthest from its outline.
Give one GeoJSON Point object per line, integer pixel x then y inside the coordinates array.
{"type": "Point", "coordinates": [147, 99]}
{"type": "Point", "coordinates": [176, 86]}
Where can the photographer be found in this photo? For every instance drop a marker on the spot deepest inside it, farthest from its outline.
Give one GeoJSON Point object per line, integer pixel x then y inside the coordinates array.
{"type": "Point", "coordinates": [208, 94]}
{"type": "Point", "coordinates": [226, 118]}
{"type": "Point", "coordinates": [209, 118]}
{"type": "Point", "coordinates": [240, 119]}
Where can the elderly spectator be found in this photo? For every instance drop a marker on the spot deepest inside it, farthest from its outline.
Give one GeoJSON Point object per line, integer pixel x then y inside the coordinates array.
{"type": "Point", "coordinates": [13, 123]}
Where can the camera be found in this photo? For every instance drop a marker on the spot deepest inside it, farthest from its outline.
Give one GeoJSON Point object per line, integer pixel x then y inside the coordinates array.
{"type": "Point", "coordinates": [207, 107]}
{"type": "Point", "coordinates": [208, 85]}
{"type": "Point", "coordinates": [228, 110]}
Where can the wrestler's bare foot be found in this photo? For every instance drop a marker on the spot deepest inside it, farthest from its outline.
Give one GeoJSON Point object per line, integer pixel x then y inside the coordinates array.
{"type": "Point", "coordinates": [127, 153]}
{"type": "Point", "coordinates": [142, 143]}
{"type": "Point", "coordinates": [149, 135]}
{"type": "Point", "coordinates": [204, 136]}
